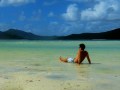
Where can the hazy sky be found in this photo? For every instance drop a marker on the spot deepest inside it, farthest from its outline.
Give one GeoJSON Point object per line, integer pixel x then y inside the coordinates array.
{"type": "Point", "coordinates": [60, 17]}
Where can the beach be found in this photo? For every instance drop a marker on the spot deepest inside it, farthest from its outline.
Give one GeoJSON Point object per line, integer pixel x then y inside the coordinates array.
{"type": "Point", "coordinates": [35, 65]}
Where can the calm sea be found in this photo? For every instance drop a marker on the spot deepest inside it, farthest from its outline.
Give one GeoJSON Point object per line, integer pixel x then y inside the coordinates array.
{"type": "Point", "coordinates": [43, 57]}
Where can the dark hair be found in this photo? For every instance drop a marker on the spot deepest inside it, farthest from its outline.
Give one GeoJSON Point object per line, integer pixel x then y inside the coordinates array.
{"type": "Point", "coordinates": [82, 46]}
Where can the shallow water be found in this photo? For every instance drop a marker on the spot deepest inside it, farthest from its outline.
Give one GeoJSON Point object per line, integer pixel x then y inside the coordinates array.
{"type": "Point", "coordinates": [34, 58]}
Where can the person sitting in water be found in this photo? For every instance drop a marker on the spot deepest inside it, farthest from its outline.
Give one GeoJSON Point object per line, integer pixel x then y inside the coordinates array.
{"type": "Point", "coordinates": [81, 55]}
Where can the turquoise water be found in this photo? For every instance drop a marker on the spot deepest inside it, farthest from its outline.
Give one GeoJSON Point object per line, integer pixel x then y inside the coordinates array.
{"type": "Point", "coordinates": [42, 57]}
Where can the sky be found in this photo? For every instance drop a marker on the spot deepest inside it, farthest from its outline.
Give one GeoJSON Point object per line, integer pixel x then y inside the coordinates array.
{"type": "Point", "coordinates": [60, 17]}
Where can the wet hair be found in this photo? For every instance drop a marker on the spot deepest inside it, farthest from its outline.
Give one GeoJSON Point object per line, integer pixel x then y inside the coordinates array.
{"type": "Point", "coordinates": [82, 46]}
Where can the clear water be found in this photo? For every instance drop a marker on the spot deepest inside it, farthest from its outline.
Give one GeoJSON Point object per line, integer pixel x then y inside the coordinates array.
{"type": "Point", "coordinates": [42, 57]}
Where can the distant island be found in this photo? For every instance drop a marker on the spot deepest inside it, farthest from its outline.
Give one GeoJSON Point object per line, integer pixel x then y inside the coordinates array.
{"type": "Point", "coordinates": [14, 34]}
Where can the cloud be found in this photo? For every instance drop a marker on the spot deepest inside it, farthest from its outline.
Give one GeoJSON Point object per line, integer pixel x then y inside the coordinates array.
{"type": "Point", "coordinates": [15, 2]}
{"type": "Point", "coordinates": [102, 16]}
{"type": "Point", "coordinates": [34, 16]}
{"type": "Point", "coordinates": [78, 27]}
{"type": "Point", "coordinates": [103, 10]}
{"type": "Point", "coordinates": [51, 14]}
{"type": "Point", "coordinates": [72, 13]}
{"type": "Point", "coordinates": [72, 28]}
{"type": "Point", "coordinates": [54, 23]}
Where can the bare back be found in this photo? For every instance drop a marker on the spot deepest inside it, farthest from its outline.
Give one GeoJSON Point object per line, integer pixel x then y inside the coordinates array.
{"type": "Point", "coordinates": [83, 54]}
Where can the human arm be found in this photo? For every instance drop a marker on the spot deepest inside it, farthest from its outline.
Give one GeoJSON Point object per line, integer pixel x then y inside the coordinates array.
{"type": "Point", "coordinates": [88, 58]}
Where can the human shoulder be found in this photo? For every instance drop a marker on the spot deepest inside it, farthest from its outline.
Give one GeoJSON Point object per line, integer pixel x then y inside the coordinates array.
{"type": "Point", "coordinates": [83, 51]}
{"type": "Point", "coordinates": [86, 52]}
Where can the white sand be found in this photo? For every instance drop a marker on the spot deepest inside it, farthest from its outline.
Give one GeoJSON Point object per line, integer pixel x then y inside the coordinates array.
{"type": "Point", "coordinates": [76, 77]}
{"type": "Point", "coordinates": [22, 81]}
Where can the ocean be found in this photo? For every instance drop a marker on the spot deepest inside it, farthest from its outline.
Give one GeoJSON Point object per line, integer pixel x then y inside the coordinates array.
{"type": "Point", "coordinates": [30, 65]}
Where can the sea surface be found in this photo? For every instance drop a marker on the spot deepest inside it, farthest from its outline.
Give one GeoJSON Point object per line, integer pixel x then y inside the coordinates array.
{"type": "Point", "coordinates": [42, 58]}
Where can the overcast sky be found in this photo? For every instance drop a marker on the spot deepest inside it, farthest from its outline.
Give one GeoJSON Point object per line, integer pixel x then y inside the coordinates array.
{"type": "Point", "coordinates": [60, 17]}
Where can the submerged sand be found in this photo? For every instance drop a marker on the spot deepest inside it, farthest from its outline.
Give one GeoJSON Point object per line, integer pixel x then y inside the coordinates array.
{"type": "Point", "coordinates": [64, 77]}
{"type": "Point", "coordinates": [43, 78]}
